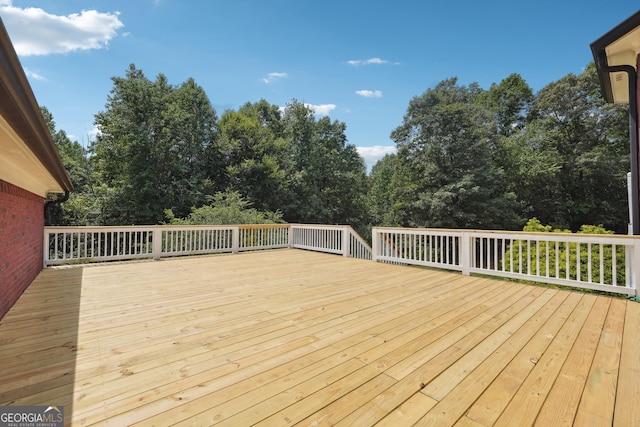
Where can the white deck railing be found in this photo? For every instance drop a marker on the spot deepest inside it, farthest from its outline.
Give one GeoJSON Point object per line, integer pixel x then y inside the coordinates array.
{"type": "Point", "coordinates": [599, 262]}
{"type": "Point", "coordinates": [64, 245]}
{"type": "Point", "coordinates": [336, 239]}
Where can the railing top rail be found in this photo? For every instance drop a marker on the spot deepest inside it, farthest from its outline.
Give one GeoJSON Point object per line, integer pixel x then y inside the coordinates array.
{"type": "Point", "coordinates": [447, 230]}
{"type": "Point", "coordinates": [359, 239]}
{"type": "Point", "coordinates": [147, 227]}
{"type": "Point", "coordinates": [561, 235]}
{"type": "Point", "coordinates": [432, 231]}
{"type": "Point", "coordinates": [98, 228]}
{"type": "Point", "coordinates": [612, 239]}
{"type": "Point", "coordinates": [337, 226]}
{"type": "Point", "coordinates": [524, 234]}
{"type": "Point", "coordinates": [163, 227]}
{"type": "Point", "coordinates": [261, 226]}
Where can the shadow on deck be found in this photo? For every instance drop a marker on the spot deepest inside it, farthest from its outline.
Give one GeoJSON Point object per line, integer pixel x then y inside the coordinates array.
{"type": "Point", "coordinates": [39, 342]}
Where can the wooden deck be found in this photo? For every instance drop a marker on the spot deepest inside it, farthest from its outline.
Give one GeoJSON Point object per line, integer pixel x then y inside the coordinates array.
{"type": "Point", "coordinates": [290, 337]}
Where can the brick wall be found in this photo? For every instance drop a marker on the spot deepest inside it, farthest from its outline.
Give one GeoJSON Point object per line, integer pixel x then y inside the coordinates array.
{"type": "Point", "coordinates": [21, 240]}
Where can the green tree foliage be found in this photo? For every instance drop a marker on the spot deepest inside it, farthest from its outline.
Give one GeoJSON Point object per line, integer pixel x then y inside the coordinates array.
{"type": "Point", "coordinates": [156, 148]}
{"type": "Point", "coordinates": [447, 145]}
{"type": "Point", "coordinates": [588, 142]}
{"type": "Point", "coordinates": [508, 102]}
{"type": "Point", "coordinates": [326, 176]}
{"type": "Point", "coordinates": [380, 198]}
{"type": "Point", "coordinates": [532, 169]}
{"type": "Point", "coordinates": [288, 160]}
{"type": "Point", "coordinates": [72, 153]}
{"type": "Point", "coordinates": [254, 154]}
{"type": "Point", "coordinates": [163, 147]}
{"type": "Point", "coordinates": [227, 207]}
{"type": "Point", "coordinates": [465, 155]}
{"type": "Point", "coordinates": [82, 204]}
{"type": "Point", "coordinates": [466, 158]}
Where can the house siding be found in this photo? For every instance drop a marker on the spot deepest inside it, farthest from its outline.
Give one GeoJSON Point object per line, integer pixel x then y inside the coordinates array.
{"type": "Point", "coordinates": [21, 241]}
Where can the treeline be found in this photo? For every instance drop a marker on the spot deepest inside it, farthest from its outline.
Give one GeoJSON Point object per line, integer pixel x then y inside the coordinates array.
{"type": "Point", "coordinates": [491, 159]}
{"type": "Point", "coordinates": [467, 158]}
{"type": "Point", "coordinates": [163, 147]}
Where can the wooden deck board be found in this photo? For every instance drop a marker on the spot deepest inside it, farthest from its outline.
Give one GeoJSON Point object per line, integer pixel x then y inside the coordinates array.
{"type": "Point", "coordinates": [498, 394]}
{"type": "Point", "coordinates": [290, 337]}
{"type": "Point", "coordinates": [627, 413]}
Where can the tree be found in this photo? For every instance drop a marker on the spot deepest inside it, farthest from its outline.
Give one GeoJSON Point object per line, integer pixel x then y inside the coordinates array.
{"type": "Point", "coordinates": [448, 144]}
{"type": "Point", "coordinates": [589, 140]}
{"type": "Point", "coordinates": [508, 102]}
{"type": "Point", "coordinates": [532, 172]}
{"type": "Point", "coordinates": [81, 205]}
{"type": "Point", "coordinates": [383, 180]}
{"type": "Point", "coordinates": [72, 153]}
{"type": "Point", "coordinates": [530, 166]}
{"type": "Point", "coordinates": [254, 153]}
{"type": "Point", "coordinates": [156, 148]}
{"type": "Point", "coordinates": [326, 176]}
{"type": "Point", "coordinates": [193, 158]}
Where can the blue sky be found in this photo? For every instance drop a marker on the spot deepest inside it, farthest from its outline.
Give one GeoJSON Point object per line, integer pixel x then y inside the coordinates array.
{"type": "Point", "coordinates": [360, 62]}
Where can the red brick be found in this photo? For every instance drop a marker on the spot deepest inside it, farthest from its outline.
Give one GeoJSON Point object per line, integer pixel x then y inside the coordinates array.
{"type": "Point", "coordinates": [21, 241]}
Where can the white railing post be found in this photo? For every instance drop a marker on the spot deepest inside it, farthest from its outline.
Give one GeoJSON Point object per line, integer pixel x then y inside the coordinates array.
{"type": "Point", "coordinates": [290, 237]}
{"type": "Point", "coordinates": [466, 252]}
{"type": "Point", "coordinates": [45, 249]}
{"type": "Point", "coordinates": [346, 241]}
{"type": "Point", "coordinates": [235, 237]}
{"type": "Point", "coordinates": [374, 244]}
{"type": "Point", "coordinates": [634, 266]}
{"type": "Point", "coordinates": [157, 243]}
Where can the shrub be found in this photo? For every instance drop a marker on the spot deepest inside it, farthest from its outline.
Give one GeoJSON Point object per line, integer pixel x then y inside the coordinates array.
{"type": "Point", "coordinates": [550, 258]}
{"type": "Point", "coordinates": [225, 208]}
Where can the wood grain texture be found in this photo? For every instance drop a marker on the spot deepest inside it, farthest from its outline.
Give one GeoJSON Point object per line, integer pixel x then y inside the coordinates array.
{"type": "Point", "coordinates": [292, 337]}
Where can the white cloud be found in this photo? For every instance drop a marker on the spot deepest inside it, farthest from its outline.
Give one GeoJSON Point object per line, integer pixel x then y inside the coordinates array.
{"type": "Point", "coordinates": [91, 133]}
{"type": "Point", "coordinates": [372, 154]}
{"type": "Point", "coordinates": [273, 77]}
{"type": "Point", "coordinates": [35, 76]}
{"type": "Point", "coordinates": [370, 61]}
{"type": "Point", "coordinates": [34, 31]}
{"type": "Point", "coordinates": [370, 93]}
{"type": "Point", "coordinates": [94, 132]}
{"type": "Point", "coordinates": [322, 109]}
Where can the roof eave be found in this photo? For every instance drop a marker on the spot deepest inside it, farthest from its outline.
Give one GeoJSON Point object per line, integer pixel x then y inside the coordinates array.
{"type": "Point", "coordinates": [22, 112]}
{"type": "Point", "coordinates": [598, 49]}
